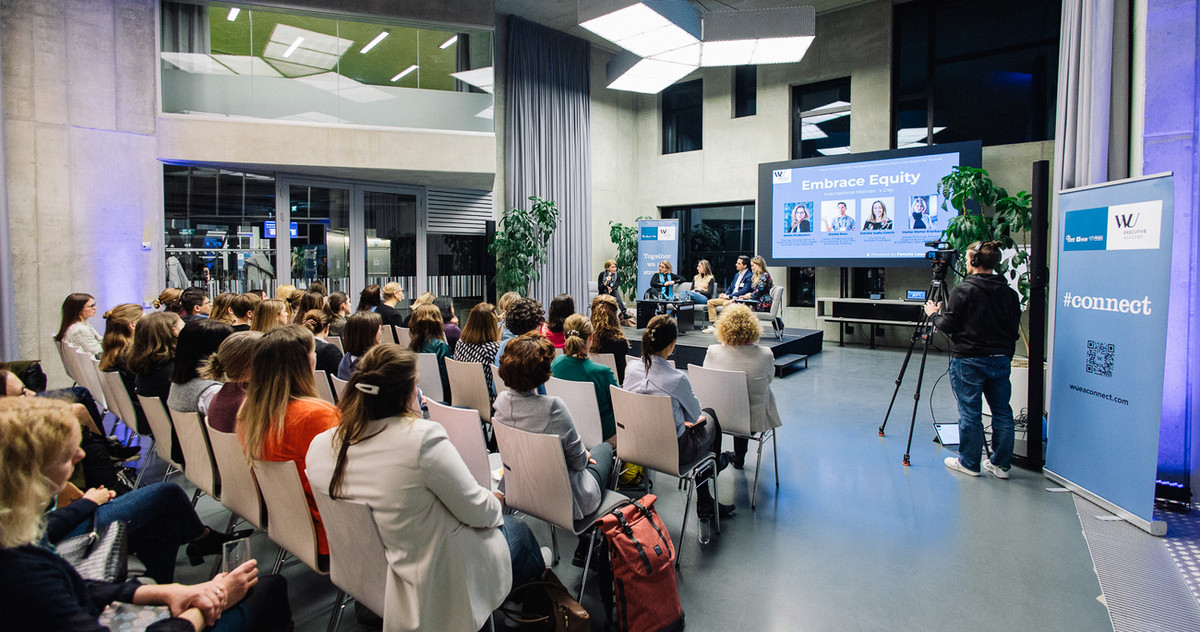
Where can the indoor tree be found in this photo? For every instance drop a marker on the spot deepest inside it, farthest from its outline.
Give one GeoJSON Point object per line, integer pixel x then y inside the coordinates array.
{"type": "Point", "coordinates": [522, 244]}
{"type": "Point", "coordinates": [625, 238]}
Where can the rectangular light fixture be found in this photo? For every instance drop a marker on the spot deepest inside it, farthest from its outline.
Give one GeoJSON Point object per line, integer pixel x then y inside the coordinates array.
{"type": "Point", "coordinates": [626, 71]}
{"type": "Point", "coordinates": [403, 73]}
{"type": "Point", "coordinates": [371, 44]}
{"type": "Point", "coordinates": [448, 43]}
{"type": "Point", "coordinates": [233, 13]}
{"type": "Point", "coordinates": [291, 49]}
{"type": "Point", "coordinates": [646, 27]}
{"type": "Point", "coordinates": [758, 36]}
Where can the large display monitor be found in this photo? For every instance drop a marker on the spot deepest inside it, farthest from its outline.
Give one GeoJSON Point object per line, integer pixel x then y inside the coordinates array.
{"type": "Point", "coordinates": [871, 209]}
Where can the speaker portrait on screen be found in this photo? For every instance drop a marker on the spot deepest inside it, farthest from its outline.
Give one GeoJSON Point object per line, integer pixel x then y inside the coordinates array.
{"type": "Point", "coordinates": [876, 214]}
{"type": "Point", "coordinates": [838, 216]}
{"type": "Point", "coordinates": [797, 217]}
{"type": "Point", "coordinates": [921, 216]}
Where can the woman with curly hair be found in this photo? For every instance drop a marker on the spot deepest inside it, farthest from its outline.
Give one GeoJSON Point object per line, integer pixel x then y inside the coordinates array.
{"type": "Point", "coordinates": [608, 337]}
{"type": "Point", "coordinates": [738, 331]}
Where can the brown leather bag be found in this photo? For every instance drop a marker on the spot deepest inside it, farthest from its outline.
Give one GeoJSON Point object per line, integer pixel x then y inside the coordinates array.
{"type": "Point", "coordinates": [547, 605]}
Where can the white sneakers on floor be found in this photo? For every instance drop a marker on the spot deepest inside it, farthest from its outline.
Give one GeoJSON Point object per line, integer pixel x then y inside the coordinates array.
{"type": "Point", "coordinates": [708, 330]}
{"type": "Point", "coordinates": [953, 463]}
{"type": "Point", "coordinates": [994, 469]}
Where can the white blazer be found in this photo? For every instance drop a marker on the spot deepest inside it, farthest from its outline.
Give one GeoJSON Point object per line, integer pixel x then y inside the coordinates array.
{"type": "Point", "coordinates": [759, 365]}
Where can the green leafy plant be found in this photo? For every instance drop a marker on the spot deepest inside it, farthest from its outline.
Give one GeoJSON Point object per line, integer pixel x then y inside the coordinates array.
{"type": "Point", "coordinates": [522, 243]}
{"type": "Point", "coordinates": [625, 238]}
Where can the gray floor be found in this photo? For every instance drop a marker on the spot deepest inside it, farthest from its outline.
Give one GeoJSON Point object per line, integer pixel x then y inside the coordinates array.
{"type": "Point", "coordinates": [852, 539]}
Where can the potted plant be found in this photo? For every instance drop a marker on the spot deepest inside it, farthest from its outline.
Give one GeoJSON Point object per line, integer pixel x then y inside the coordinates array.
{"type": "Point", "coordinates": [625, 238]}
{"type": "Point", "coordinates": [522, 243]}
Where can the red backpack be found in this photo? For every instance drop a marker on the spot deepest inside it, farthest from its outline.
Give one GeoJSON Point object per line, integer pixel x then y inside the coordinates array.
{"type": "Point", "coordinates": [643, 565]}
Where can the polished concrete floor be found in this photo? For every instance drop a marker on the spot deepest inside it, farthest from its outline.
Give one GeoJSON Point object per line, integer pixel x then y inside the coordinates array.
{"type": "Point", "coordinates": [852, 539]}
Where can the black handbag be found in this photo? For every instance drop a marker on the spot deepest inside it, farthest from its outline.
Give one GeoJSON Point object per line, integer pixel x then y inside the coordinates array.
{"type": "Point", "coordinates": [29, 372]}
{"type": "Point", "coordinates": [96, 555]}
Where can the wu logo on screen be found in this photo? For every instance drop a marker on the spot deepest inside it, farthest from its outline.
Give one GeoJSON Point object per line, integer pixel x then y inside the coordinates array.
{"type": "Point", "coordinates": [1126, 221]}
{"type": "Point", "coordinates": [781, 176]}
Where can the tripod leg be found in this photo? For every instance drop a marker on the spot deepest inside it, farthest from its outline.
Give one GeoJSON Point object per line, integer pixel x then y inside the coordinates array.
{"type": "Point", "coordinates": [900, 377]}
{"type": "Point", "coordinates": [927, 336]}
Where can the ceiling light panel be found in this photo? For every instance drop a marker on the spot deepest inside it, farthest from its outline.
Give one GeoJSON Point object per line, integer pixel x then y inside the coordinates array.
{"type": "Point", "coordinates": [631, 73]}
{"type": "Point", "coordinates": [757, 36]}
{"type": "Point", "coordinates": [645, 28]}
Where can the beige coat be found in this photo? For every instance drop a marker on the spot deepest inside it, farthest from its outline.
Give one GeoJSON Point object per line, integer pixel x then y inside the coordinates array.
{"type": "Point", "coordinates": [759, 365]}
{"type": "Point", "coordinates": [450, 565]}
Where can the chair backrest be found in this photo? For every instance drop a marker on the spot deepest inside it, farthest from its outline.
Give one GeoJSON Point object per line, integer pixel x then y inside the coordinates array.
{"type": "Point", "coordinates": [403, 337]}
{"type": "Point", "coordinates": [160, 427]}
{"type": "Point", "coordinates": [116, 396]}
{"type": "Point", "coordinates": [498, 381]}
{"type": "Point", "coordinates": [683, 288]}
{"type": "Point", "coordinates": [387, 334]}
{"type": "Point", "coordinates": [430, 377]}
{"type": "Point", "coordinates": [323, 389]}
{"type": "Point", "coordinates": [357, 557]}
{"type": "Point", "coordinates": [580, 398]}
{"type": "Point", "coordinates": [89, 376]}
{"type": "Point", "coordinates": [339, 386]}
{"type": "Point", "coordinates": [291, 525]}
{"type": "Point", "coordinates": [462, 424]}
{"type": "Point", "coordinates": [468, 387]}
{"type": "Point", "coordinates": [725, 392]}
{"type": "Point", "coordinates": [607, 359]}
{"type": "Point", "coordinates": [198, 464]}
{"type": "Point", "coordinates": [239, 489]}
{"type": "Point", "coordinates": [66, 353]}
{"type": "Point", "coordinates": [535, 475]}
{"type": "Point", "coordinates": [776, 304]}
{"type": "Point", "coordinates": [646, 430]}
{"type": "Point", "coordinates": [335, 341]}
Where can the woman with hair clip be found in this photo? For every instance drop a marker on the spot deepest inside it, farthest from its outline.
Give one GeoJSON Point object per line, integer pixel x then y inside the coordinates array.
{"type": "Point", "coordinates": [329, 357]}
{"type": "Point", "coordinates": [428, 336]}
{"type": "Point", "coordinates": [451, 552]}
{"type": "Point", "coordinates": [608, 337]}
{"type": "Point", "coordinates": [575, 366]}
{"type": "Point", "coordinates": [361, 333]}
{"type": "Point", "coordinates": [198, 340]}
{"type": "Point", "coordinates": [230, 366]}
{"type": "Point", "coordinates": [480, 341]}
{"type": "Point", "coordinates": [697, 431]}
{"type": "Point", "coordinates": [281, 413]}
{"type": "Point", "coordinates": [270, 314]}
{"type": "Point", "coordinates": [74, 329]}
{"type": "Point", "coordinates": [39, 444]}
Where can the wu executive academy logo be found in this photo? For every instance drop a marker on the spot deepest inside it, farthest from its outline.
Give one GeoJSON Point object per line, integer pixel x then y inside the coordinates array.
{"type": "Point", "coordinates": [1135, 226]}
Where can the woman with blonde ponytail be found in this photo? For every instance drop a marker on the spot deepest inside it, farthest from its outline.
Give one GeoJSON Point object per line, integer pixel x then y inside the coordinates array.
{"type": "Point", "coordinates": [120, 323]}
{"type": "Point", "coordinates": [576, 367]}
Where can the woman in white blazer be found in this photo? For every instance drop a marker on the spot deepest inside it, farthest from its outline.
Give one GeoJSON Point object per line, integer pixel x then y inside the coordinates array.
{"type": "Point", "coordinates": [453, 556]}
{"type": "Point", "coordinates": [738, 331]}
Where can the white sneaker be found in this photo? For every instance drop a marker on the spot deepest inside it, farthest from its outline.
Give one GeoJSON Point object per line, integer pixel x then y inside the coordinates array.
{"type": "Point", "coordinates": [708, 330]}
{"type": "Point", "coordinates": [953, 463]}
{"type": "Point", "coordinates": [547, 556]}
{"type": "Point", "coordinates": [994, 469]}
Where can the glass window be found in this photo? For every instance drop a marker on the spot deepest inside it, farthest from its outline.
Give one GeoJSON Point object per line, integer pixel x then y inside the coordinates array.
{"type": "Point", "coordinates": [456, 269]}
{"type": "Point", "coordinates": [745, 91]}
{"type": "Point", "coordinates": [682, 117]}
{"type": "Point", "coordinates": [320, 243]}
{"type": "Point", "coordinates": [718, 233]}
{"type": "Point", "coordinates": [220, 229]}
{"type": "Point", "coordinates": [391, 233]}
{"type": "Point", "coordinates": [821, 119]}
{"type": "Point", "coordinates": [802, 287]}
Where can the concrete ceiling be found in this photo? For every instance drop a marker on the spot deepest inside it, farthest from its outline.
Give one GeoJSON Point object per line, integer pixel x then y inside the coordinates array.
{"type": "Point", "coordinates": [562, 15]}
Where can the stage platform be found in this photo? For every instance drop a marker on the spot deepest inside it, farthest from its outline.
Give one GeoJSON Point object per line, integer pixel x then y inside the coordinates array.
{"type": "Point", "coordinates": [797, 345]}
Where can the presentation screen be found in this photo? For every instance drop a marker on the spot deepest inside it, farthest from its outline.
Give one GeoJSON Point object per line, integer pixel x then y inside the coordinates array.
{"type": "Point", "coordinates": [871, 209]}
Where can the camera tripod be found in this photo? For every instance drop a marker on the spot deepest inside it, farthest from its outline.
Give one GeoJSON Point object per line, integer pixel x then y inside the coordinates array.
{"type": "Point", "coordinates": [924, 333]}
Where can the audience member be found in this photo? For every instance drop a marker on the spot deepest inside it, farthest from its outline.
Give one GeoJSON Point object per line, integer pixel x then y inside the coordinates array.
{"type": "Point", "coordinates": [230, 365]}
{"type": "Point", "coordinates": [737, 332]}
{"type": "Point", "coordinates": [450, 328]}
{"type": "Point", "coordinates": [259, 292]}
{"type": "Point", "coordinates": [168, 300]}
{"type": "Point", "coordinates": [434, 519]}
{"type": "Point", "coordinates": [503, 304]}
{"type": "Point", "coordinates": [429, 337]}
{"type": "Point", "coordinates": [242, 308]}
{"type": "Point", "coordinates": [318, 287]}
{"type": "Point", "coordinates": [392, 294]}
{"type": "Point", "coordinates": [152, 359]}
{"type": "Point", "coordinates": [523, 316]}
{"type": "Point", "coordinates": [220, 307]}
{"type": "Point", "coordinates": [284, 292]}
{"type": "Point", "coordinates": [75, 329]}
{"type": "Point", "coordinates": [369, 298]}
{"type": "Point", "coordinates": [361, 333]}
{"type": "Point", "coordinates": [293, 302]}
{"type": "Point", "coordinates": [270, 314]}
{"type": "Point", "coordinates": [561, 307]}
{"type": "Point", "coordinates": [329, 357]}
{"type": "Point", "coordinates": [308, 301]}
{"type": "Point", "coordinates": [281, 413]}
{"type": "Point", "coordinates": [479, 342]}
{"type": "Point", "coordinates": [426, 298]}
{"type": "Point", "coordinates": [608, 337]}
{"type": "Point", "coordinates": [339, 306]}
{"type": "Point", "coordinates": [119, 325]}
{"type": "Point", "coordinates": [198, 340]}
{"type": "Point", "coordinates": [575, 366]}
{"type": "Point", "coordinates": [194, 304]}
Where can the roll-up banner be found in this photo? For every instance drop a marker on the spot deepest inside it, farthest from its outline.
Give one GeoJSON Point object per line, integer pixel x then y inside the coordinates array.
{"type": "Point", "coordinates": [658, 240]}
{"type": "Point", "coordinates": [1110, 336]}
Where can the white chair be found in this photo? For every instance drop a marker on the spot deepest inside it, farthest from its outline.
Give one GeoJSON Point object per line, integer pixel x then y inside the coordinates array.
{"type": "Point", "coordinates": [357, 557]}
{"type": "Point", "coordinates": [335, 341]}
{"type": "Point", "coordinates": [727, 393]}
{"type": "Point", "coordinates": [580, 398]}
{"type": "Point", "coordinates": [498, 381]}
{"type": "Point", "coordinates": [387, 334]}
{"type": "Point", "coordinates": [66, 355]}
{"type": "Point", "coordinates": [240, 493]}
{"type": "Point", "coordinates": [117, 398]}
{"type": "Point", "coordinates": [430, 377]}
{"type": "Point", "coordinates": [339, 386]}
{"type": "Point", "coordinates": [462, 425]}
{"type": "Point", "coordinates": [198, 466]}
{"type": "Point", "coordinates": [536, 483]}
{"type": "Point", "coordinates": [323, 389]}
{"type": "Point", "coordinates": [468, 387]}
{"type": "Point", "coordinates": [607, 359]}
{"type": "Point", "coordinates": [160, 426]}
{"type": "Point", "coordinates": [772, 315]}
{"type": "Point", "coordinates": [646, 434]}
{"type": "Point", "coordinates": [89, 377]}
{"type": "Point", "coordinates": [403, 337]}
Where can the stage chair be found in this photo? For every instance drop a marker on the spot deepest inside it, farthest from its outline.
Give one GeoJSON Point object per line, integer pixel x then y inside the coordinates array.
{"type": "Point", "coordinates": [646, 434]}
{"type": "Point", "coordinates": [357, 557]}
{"type": "Point", "coordinates": [324, 391]}
{"type": "Point", "coordinates": [580, 398]}
{"type": "Point", "coordinates": [198, 464]}
{"type": "Point", "coordinates": [161, 429]}
{"type": "Point", "coordinates": [335, 341]}
{"type": "Point", "coordinates": [462, 425]}
{"type": "Point", "coordinates": [403, 337]}
{"type": "Point", "coordinates": [240, 494]}
{"type": "Point", "coordinates": [468, 387]}
{"type": "Point", "coordinates": [776, 309]}
{"type": "Point", "coordinates": [727, 393]}
{"type": "Point", "coordinates": [339, 386]}
{"type": "Point", "coordinates": [430, 377]}
{"type": "Point", "coordinates": [536, 483]}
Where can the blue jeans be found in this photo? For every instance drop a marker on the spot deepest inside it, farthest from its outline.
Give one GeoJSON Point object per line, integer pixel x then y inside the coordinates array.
{"type": "Point", "coordinates": [697, 297]}
{"type": "Point", "coordinates": [988, 377]}
{"type": "Point", "coordinates": [523, 548]}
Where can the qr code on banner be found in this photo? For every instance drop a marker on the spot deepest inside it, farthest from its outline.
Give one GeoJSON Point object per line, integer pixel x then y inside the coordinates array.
{"type": "Point", "coordinates": [1100, 358]}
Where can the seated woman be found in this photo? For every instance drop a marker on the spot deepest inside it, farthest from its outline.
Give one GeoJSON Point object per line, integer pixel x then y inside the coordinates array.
{"type": "Point", "coordinates": [168, 300]}
{"type": "Point", "coordinates": [738, 331]}
{"type": "Point", "coordinates": [665, 281]}
{"type": "Point", "coordinates": [152, 359]}
{"type": "Point", "coordinates": [479, 341]}
{"type": "Point", "coordinates": [575, 366]}
{"type": "Point", "coordinates": [199, 339]}
{"type": "Point", "coordinates": [702, 283]}
{"type": "Point", "coordinates": [608, 337]}
{"type": "Point", "coordinates": [561, 307]}
{"type": "Point", "coordinates": [426, 298]}
{"type": "Point", "coordinates": [503, 304]}
{"type": "Point", "coordinates": [361, 333]}
{"type": "Point", "coordinates": [609, 284]}
{"type": "Point", "coordinates": [308, 301]}
{"type": "Point", "coordinates": [370, 298]}
{"type": "Point", "coordinates": [75, 329]}
{"type": "Point", "coordinates": [525, 367]}
{"type": "Point", "coordinates": [760, 288]}
{"type": "Point", "coordinates": [231, 366]}
{"type": "Point", "coordinates": [270, 314]}
{"type": "Point", "coordinates": [452, 554]}
{"type": "Point", "coordinates": [445, 305]}
{"type": "Point", "coordinates": [282, 413]}
{"type": "Point", "coordinates": [329, 357]}
{"type": "Point", "coordinates": [39, 444]}
{"type": "Point", "coordinates": [654, 375]}
{"type": "Point", "coordinates": [339, 306]}
{"type": "Point", "coordinates": [429, 337]}
{"type": "Point", "coordinates": [120, 323]}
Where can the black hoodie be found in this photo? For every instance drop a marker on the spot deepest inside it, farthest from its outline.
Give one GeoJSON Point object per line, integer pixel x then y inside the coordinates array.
{"type": "Point", "coordinates": [982, 317]}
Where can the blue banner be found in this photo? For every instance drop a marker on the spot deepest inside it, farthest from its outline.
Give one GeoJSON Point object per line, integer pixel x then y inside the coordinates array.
{"type": "Point", "coordinates": [1110, 333]}
{"type": "Point", "coordinates": [658, 240]}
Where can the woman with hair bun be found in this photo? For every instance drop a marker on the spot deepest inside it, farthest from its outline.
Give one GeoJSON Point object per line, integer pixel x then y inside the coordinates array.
{"type": "Point", "coordinates": [74, 329]}
{"type": "Point", "coordinates": [575, 366]}
{"type": "Point", "coordinates": [230, 365]}
{"type": "Point", "coordinates": [168, 300]}
{"type": "Point", "coordinates": [328, 355]}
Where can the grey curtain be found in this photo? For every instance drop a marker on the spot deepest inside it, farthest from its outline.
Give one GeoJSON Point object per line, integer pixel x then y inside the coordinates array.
{"type": "Point", "coordinates": [185, 28]}
{"type": "Point", "coordinates": [547, 147]}
{"type": "Point", "coordinates": [1092, 135]}
{"type": "Point", "coordinates": [8, 301]}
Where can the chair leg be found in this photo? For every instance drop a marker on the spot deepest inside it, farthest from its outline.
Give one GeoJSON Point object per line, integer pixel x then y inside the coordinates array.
{"type": "Point", "coordinates": [588, 562]}
{"type": "Point", "coordinates": [279, 561]}
{"type": "Point", "coordinates": [554, 543]}
{"type": "Point", "coordinates": [196, 497]}
{"type": "Point", "coordinates": [775, 453]}
{"type": "Point", "coordinates": [145, 463]}
{"type": "Point", "coordinates": [757, 467]}
{"type": "Point", "coordinates": [687, 504]}
{"type": "Point", "coordinates": [716, 497]}
{"type": "Point", "coordinates": [339, 606]}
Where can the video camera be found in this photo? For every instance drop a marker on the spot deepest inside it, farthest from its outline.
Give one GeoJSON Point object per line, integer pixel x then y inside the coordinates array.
{"type": "Point", "coordinates": [941, 257]}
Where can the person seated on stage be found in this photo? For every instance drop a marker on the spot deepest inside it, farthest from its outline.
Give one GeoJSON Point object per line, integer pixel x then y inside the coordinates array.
{"type": "Point", "coordinates": [664, 280]}
{"type": "Point", "coordinates": [242, 308]}
{"type": "Point", "coordinates": [561, 307]}
{"type": "Point", "coordinates": [738, 287]}
{"type": "Point", "coordinates": [609, 284]}
{"type": "Point", "coordinates": [190, 393]}
{"type": "Point", "coordinates": [760, 285]}
{"type": "Point", "coordinates": [525, 315]}
{"type": "Point", "coordinates": [361, 333]}
{"type": "Point", "coordinates": [428, 336]}
{"type": "Point", "coordinates": [702, 283]}
{"type": "Point", "coordinates": [608, 337]}
{"type": "Point", "coordinates": [452, 554]}
{"type": "Point", "coordinates": [655, 375]}
{"type": "Point", "coordinates": [738, 332]}
{"type": "Point", "coordinates": [575, 366]}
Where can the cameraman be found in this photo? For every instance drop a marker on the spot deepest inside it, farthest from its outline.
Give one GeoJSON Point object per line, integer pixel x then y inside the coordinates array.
{"type": "Point", "coordinates": [982, 318]}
